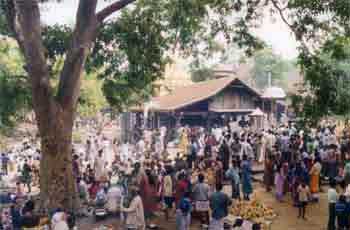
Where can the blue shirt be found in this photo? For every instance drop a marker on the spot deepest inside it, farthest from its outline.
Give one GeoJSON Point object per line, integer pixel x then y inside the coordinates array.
{"type": "Point", "coordinates": [219, 203]}
{"type": "Point", "coordinates": [233, 175]}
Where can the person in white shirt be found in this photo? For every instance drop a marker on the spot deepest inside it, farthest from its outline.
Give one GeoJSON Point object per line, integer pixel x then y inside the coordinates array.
{"type": "Point", "coordinates": [217, 132]}
{"type": "Point", "coordinates": [168, 194]}
{"type": "Point", "coordinates": [246, 149]}
{"type": "Point", "coordinates": [125, 151]}
{"type": "Point", "coordinates": [135, 211]}
{"type": "Point", "coordinates": [141, 146]}
{"type": "Point", "coordinates": [332, 200]}
{"type": "Point", "coordinates": [99, 166]}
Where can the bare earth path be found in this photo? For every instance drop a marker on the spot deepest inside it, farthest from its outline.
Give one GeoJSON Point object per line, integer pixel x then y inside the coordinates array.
{"type": "Point", "coordinates": [317, 214]}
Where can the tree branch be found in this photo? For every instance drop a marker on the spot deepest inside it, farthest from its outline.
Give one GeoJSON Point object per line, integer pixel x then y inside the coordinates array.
{"type": "Point", "coordinates": [9, 10]}
{"type": "Point", "coordinates": [24, 20]}
{"type": "Point", "coordinates": [83, 36]}
{"type": "Point", "coordinates": [280, 10]}
{"type": "Point", "coordinates": [114, 7]}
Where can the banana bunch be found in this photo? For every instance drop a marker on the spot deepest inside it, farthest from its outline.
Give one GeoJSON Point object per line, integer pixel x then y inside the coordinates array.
{"type": "Point", "coordinates": [253, 210]}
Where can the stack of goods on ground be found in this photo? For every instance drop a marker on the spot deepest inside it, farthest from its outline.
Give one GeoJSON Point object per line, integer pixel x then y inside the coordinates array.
{"type": "Point", "coordinates": [253, 211]}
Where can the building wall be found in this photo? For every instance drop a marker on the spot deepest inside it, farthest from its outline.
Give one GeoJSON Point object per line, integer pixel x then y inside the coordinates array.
{"type": "Point", "coordinates": [233, 98]}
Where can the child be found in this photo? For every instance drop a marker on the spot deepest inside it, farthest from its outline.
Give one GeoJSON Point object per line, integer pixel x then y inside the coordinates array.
{"type": "Point", "coordinates": [303, 195]}
{"type": "Point", "coordinates": [341, 211]}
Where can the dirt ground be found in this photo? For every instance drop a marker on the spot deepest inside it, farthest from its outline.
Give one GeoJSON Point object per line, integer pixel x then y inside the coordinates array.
{"type": "Point", "coordinates": [316, 214]}
{"type": "Point", "coordinates": [287, 215]}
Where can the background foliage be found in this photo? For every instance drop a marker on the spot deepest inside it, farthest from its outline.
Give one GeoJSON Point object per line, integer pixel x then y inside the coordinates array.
{"type": "Point", "coordinates": [15, 94]}
{"type": "Point", "coordinates": [327, 82]}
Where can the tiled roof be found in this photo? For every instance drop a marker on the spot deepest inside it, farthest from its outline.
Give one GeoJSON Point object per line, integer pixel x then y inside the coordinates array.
{"type": "Point", "coordinates": [188, 95]}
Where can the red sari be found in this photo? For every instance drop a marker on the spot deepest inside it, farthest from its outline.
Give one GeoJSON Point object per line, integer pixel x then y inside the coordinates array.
{"type": "Point", "coordinates": [148, 195]}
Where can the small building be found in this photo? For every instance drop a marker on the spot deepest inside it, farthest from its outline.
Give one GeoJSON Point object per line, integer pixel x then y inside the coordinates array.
{"type": "Point", "coordinates": [274, 102]}
{"type": "Point", "coordinates": [201, 104]}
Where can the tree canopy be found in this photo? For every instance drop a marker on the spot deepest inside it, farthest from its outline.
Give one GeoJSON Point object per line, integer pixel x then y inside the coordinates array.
{"type": "Point", "coordinates": [15, 96]}
{"type": "Point", "coordinates": [327, 82]}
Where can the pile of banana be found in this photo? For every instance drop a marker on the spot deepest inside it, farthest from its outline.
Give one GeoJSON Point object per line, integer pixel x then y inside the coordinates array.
{"type": "Point", "coordinates": [253, 210]}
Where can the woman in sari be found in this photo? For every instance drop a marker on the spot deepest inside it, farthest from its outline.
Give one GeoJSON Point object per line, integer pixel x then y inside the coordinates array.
{"type": "Point", "coordinates": [315, 177]}
{"type": "Point", "coordinates": [148, 193]}
{"type": "Point", "coordinates": [184, 143]}
{"type": "Point", "coordinates": [279, 182]}
{"type": "Point", "coordinates": [268, 173]}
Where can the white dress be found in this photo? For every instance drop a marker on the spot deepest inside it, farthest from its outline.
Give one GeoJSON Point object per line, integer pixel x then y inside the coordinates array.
{"type": "Point", "coordinates": [99, 168]}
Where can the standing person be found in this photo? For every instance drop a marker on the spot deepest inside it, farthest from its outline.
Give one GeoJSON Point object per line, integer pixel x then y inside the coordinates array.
{"type": "Point", "coordinates": [285, 147]}
{"type": "Point", "coordinates": [201, 198]}
{"type": "Point", "coordinates": [279, 182]}
{"type": "Point", "coordinates": [135, 212]}
{"type": "Point", "coordinates": [332, 164]}
{"type": "Point", "coordinates": [219, 204]}
{"type": "Point", "coordinates": [224, 153]}
{"type": "Point", "coordinates": [168, 194]}
{"type": "Point", "coordinates": [192, 156]}
{"type": "Point", "coordinates": [246, 148]}
{"type": "Point", "coordinates": [76, 168]}
{"type": "Point", "coordinates": [26, 175]}
{"type": "Point", "coordinates": [341, 212]}
{"type": "Point", "coordinates": [233, 175]}
{"type": "Point", "coordinates": [268, 172]}
{"type": "Point", "coordinates": [236, 147]}
{"type": "Point", "coordinates": [332, 199]}
{"type": "Point", "coordinates": [219, 174]}
{"type": "Point", "coordinates": [99, 166]}
{"type": "Point", "coordinates": [303, 194]}
{"type": "Point", "coordinates": [183, 145]}
{"type": "Point", "coordinates": [347, 173]}
{"type": "Point", "coordinates": [315, 178]}
{"type": "Point", "coordinates": [246, 178]}
{"type": "Point", "coordinates": [181, 188]}
{"type": "Point", "coordinates": [4, 163]}
{"type": "Point", "coordinates": [183, 213]}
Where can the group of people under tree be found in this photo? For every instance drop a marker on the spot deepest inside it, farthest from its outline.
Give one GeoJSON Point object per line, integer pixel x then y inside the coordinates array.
{"type": "Point", "coordinates": [191, 181]}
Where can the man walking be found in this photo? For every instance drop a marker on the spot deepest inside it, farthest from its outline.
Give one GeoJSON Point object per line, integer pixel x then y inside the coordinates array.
{"type": "Point", "coordinates": [219, 203]}
{"type": "Point", "coordinates": [4, 163]}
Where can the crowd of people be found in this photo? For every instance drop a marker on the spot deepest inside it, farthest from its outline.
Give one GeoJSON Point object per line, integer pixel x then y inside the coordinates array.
{"type": "Point", "coordinates": [188, 172]}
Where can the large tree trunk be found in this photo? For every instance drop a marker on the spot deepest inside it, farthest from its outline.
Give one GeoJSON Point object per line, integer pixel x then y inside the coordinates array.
{"type": "Point", "coordinates": [55, 114]}
{"type": "Point", "coordinates": [57, 184]}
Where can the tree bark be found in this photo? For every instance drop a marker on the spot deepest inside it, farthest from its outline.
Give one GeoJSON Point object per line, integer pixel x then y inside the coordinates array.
{"type": "Point", "coordinates": [55, 114]}
{"type": "Point", "coordinates": [57, 184]}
